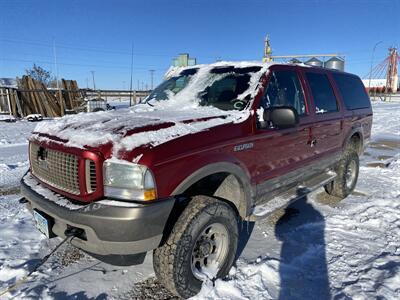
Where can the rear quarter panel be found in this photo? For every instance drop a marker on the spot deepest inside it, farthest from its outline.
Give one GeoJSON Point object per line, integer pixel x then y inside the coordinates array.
{"type": "Point", "coordinates": [355, 120]}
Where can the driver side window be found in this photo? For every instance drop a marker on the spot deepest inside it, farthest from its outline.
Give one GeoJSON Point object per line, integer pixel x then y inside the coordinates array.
{"type": "Point", "coordinates": [284, 89]}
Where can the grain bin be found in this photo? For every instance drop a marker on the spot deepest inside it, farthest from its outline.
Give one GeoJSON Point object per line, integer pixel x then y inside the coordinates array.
{"type": "Point", "coordinates": [335, 63]}
{"type": "Point", "coordinates": [315, 62]}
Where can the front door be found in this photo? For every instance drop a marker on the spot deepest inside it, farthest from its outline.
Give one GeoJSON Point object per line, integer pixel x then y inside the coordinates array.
{"type": "Point", "coordinates": [281, 152]}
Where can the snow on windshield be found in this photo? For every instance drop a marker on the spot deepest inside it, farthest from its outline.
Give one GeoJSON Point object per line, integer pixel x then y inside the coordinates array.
{"type": "Point", "coordinates": [199, 79]}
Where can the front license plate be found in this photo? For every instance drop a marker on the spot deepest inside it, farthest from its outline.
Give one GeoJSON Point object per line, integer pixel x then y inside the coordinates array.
{"type": "Point", "coordinates": [42, 223]}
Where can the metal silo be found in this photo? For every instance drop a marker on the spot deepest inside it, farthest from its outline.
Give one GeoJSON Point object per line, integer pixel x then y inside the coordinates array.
{"type": "Point", "coordinates": [335, 63]}
{"type": "Point", "coordinates": [314, 62]}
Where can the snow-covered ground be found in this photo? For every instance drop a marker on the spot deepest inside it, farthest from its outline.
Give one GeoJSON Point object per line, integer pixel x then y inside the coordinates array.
{"type": "Point", "coordinates": [13, 153]}
{"type": "Point", "coordinates": [318, 248]}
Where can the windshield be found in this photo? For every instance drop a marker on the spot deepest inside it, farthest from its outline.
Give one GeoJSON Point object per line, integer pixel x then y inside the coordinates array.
{"type": "Point", "coordinates": [171, 86]}
{"type": "Point", "coordinates": [221, 87]}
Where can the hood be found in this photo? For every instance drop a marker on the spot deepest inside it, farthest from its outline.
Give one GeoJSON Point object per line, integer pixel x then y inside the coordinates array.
{"type": "Point", "coordinates": [128, 129]}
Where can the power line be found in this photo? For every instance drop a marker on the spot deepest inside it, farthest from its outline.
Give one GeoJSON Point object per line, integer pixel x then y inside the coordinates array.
{"type": "Point", "coordinates": [80, 60]}
{"type": "Point", "coordinates": [78, 65]}
{"type": "Point", "coordinates": [42, 44]}
{"type": "Point", "coordinates": [92, 49]}
{"type": "Point", "coordinates": [127, 53]}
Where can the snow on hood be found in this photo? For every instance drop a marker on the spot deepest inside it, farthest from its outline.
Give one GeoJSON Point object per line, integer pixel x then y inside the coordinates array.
{"type": "Point", "coordinates": [182, 111]}
{"type": "Point", "coordinates": [103, 127]}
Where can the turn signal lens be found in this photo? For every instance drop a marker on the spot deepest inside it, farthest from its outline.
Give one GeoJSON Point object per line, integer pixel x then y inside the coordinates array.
{"type": "Point", "coordinates": [149, 195]}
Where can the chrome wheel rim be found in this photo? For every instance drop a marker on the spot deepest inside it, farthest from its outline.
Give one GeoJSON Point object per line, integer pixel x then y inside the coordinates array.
{"type": "Point", "coordinates": [351, 174]}
{"type": "Point", "coordinates": [210, 251]}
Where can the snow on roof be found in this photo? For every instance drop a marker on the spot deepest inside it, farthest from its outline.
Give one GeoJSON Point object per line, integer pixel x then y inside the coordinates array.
{"type": "Point", "coordinates": [174, 71]}
{"type": "Point", "coordinates": [113, 126]}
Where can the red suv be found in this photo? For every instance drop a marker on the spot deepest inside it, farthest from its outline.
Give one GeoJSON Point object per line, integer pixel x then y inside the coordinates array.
{"type": "Point", "coordinates": [212, 145]}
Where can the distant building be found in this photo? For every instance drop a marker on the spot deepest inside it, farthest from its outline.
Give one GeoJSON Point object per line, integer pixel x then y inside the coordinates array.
{"type": "Point", "coordinates": [183, 60]}
{"type": "Point", "coordinates": [5, 85]}
{"type": "Point", "coordinates": [178, 63]}
{"type": "Point", "coordinates": [374, 83]}
{"type": "Point", "coordinates": [379, 86]}
{"type": "Point", "coordinates": [8, 82]}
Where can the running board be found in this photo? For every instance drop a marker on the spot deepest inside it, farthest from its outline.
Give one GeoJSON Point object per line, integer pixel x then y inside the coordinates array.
{"type": "Point", "coordinates": [282, 200]}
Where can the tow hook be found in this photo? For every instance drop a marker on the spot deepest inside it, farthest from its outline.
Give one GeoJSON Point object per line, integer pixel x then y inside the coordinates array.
{"type": "Point", "coordinates": [74, 232]}
{"type": "Point", "coordinates": [23, 200]}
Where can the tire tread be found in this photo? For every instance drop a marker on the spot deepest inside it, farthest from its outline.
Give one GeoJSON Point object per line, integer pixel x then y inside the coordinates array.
{"type": "Point", "coordinates": [167, 257]}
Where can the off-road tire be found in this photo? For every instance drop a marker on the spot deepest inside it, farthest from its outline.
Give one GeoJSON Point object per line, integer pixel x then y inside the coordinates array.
{"type": "Point", "coordinates": [172, 261]}
{"type": "Point", "coordinates": [339, 187]}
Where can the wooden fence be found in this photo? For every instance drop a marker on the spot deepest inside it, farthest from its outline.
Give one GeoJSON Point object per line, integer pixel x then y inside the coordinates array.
{"type": "Point", "coordinates": [32, 97]}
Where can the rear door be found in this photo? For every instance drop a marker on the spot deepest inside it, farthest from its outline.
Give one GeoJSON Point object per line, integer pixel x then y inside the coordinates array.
{"type": "Point", "coordinates": [327, 129]}
{"type": "Point", "coordinates": [358, 113]}
{"type": "Point", "coordinates": [280, 152]}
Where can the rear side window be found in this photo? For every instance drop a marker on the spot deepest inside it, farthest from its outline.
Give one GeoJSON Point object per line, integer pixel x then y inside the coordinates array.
{"type": "Point", "coordinates": [352, 91]}
{"type": "Point", "coordinates": [322, 92]}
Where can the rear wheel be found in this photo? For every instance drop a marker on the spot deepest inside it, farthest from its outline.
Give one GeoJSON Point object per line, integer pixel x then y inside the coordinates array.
{"type": "Point", "coordinates": [201, 245]}
{"type": "Point", "coordinates": [347, 176]}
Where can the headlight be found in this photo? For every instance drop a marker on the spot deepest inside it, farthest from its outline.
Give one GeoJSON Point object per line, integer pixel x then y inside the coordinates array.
{"type": "Point", "coordinates": [128, 181]}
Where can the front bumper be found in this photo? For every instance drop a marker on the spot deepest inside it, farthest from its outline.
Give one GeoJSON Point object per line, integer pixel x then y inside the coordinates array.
{"type": "Point", "coordinates": [109, 229]}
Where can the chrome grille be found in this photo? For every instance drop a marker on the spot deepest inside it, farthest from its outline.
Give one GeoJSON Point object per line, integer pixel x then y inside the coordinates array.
{"type": "Point", "coordinates": [55, 168]}
{"type": "Point", "coordinates": [91, 183]}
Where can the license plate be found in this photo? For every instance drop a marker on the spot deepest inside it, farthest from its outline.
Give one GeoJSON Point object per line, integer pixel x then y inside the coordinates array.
{"type": "Point", "coordinates": [42, 223]}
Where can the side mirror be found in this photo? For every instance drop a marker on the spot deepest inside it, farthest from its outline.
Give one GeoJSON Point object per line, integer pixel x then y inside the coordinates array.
{"type": "Point", "coordinates": [281, 117]}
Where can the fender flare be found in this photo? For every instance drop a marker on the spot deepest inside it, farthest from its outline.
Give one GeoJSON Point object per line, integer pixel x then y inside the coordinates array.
{"type": "Point", "coordinates": [354, 130]}
{"type": "Point", "coordinates": [222, 167]}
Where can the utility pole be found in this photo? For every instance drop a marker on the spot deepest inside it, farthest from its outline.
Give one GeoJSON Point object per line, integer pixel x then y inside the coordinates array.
{"type": "Point", "coordinates": [152, 78]}
{"type": "Point", "coordinates": [57, 83]}
{"type": "Point", "coordinates": [94, 83]}
{"type": "Point", "coordinates": [130, 87]}
{"type": "Point", "coordinates": [372, 62]}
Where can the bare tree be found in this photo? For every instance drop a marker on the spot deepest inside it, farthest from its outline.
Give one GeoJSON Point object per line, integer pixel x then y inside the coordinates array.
{"type": "Point", "coordinates": [40, 74]}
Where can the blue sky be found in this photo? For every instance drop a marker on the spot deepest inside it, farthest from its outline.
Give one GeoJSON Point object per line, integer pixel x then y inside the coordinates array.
{"type": "Point", "coordinates": [98, 35]}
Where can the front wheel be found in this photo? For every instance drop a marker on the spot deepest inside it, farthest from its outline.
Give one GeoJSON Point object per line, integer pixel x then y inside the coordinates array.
{"type": "Point", "coordinates": [347, 176]}
{"type": "Point", "coordinates": [202, 245]}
